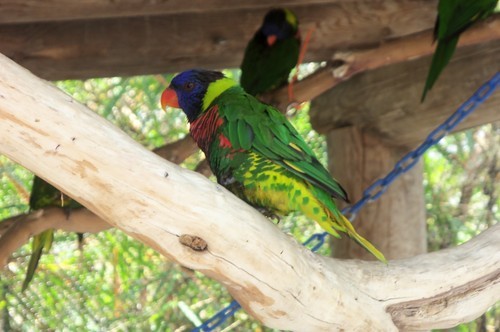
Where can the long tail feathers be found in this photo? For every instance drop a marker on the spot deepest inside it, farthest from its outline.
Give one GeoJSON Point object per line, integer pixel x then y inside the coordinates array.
{"type": "Point", "coordinates": [334, 222]}
{"type": "Point", "coordinates": [359, 239]}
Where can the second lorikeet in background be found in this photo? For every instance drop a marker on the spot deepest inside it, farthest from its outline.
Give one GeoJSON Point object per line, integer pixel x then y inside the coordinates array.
{"type": "Point", "coordinates": [454, 17]}
{"type": "Point", "coordinates": [272, 53]}
{"type": "Point", "coordinates": [44, 195]}
{"type": "Point", "coordinates": [256, 153]}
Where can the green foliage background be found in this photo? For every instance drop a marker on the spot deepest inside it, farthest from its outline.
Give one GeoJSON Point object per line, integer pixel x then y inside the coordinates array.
{"type": "Point", "coordinates": [115, 283]}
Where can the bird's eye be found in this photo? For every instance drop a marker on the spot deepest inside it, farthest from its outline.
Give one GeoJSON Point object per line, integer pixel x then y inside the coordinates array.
{"type": "Point", "coordinates": [189, 86]}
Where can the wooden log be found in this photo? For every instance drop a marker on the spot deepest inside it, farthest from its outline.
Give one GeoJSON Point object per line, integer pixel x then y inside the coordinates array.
{"type": "Point", "coordinates": [395, 223]}
{"type": "Point", "coordinates": [16, 231]}
{"type": "Point", "coordinates": [386, 101]}
{"type": "Point", "coordinates": [274, 278]}
{"type": "Point", "coordinates": [125, 46]}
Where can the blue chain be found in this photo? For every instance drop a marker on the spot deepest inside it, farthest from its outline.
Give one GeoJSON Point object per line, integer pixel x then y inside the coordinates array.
{"type": "Point", "coordinates": [379, 187]}
{"type": "Point", "coordinates": [218, 318]}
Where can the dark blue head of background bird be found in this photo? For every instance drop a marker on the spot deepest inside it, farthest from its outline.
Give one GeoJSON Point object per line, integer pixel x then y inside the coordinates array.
{"type": "Point", "coordinates": [280, 23]}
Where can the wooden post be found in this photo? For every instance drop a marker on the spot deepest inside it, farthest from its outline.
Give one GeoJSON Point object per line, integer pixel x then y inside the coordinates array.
{"type": "Point", "coordinates": [395, 223]}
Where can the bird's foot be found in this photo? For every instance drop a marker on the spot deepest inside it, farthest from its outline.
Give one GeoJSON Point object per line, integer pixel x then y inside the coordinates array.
{"type": "Point", "coordinates": [67, 212]}
{"type": "Point", "coordinates": [269, 214]}
{"type": "Point", "coordinates": [292, 109]}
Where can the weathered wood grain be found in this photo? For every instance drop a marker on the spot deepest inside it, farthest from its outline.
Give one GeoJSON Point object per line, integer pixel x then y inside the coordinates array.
{"type": "Point", "coordinates": [13, 11]}
{"type": "Point", "coordinates": [124, 46]}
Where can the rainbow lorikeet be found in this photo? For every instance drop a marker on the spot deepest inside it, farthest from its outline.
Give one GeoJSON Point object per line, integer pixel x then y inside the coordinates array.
{"type": "Point", "coordinates": [454, 17]}
{"type": "Point", "coordinates": [44, 195]}
{"type": "Point", "coordinates": [272, 53]}
{"type": "Point", "coordinates": [256, 153]}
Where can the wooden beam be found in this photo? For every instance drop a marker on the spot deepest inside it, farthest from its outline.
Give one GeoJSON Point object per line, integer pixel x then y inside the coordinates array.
{"type": "Point", "coordinates": [13, 11]}
{"type": "Point", "coordinates": [386, 101]}
{"type": "Point", "coordinates": [127, 46]}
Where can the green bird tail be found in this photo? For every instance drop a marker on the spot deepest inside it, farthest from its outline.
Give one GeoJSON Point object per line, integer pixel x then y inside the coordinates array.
{"type": "Point", "coordinates": [41, 242]}
{"type": "Point", "coordinates": [442, 56]}
{"type": "Point", "coordinates": [325, 212]}
{"type": "Point", "coordinates": [349, 229]}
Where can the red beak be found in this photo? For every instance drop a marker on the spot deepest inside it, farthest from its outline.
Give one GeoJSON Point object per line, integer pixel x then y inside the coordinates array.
{"type": "Point", "coordinates": [169, 98]}
{"type": "Point", "coordinates": [271, 40]}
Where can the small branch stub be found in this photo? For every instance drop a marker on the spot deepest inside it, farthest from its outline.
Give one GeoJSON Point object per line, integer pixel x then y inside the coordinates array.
{"type": "Point", "coordinates": [194, 242]}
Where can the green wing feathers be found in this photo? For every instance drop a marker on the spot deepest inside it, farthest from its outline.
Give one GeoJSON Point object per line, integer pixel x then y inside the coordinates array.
{"type": "Point", "coordinates": [266, 68]}
{"type": "Point", "coordinates": [442, 56]}
{"type": "Point", "coordinates": [254, 125]}
{"type": "Point", "coordinates": [454, 17]}
{"type": "Point", "coordinates": [274, 168]}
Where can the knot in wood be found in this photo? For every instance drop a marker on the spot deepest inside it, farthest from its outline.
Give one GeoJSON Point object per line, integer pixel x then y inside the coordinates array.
{"type": "Point", "coordinates": [194, 242]}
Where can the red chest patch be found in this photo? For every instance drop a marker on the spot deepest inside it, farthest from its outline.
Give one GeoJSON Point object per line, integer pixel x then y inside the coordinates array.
{"type": "Point", "coordinates": [224, 141]}
{"type": "Point", "coordinates": [204, 128]}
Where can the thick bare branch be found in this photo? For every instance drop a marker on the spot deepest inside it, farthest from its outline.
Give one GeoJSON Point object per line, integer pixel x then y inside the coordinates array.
{"type": "Point", "coordinates": [5, 224]}
{"type": "Point", "coordinates": [204, 168]}
{"type": "Point", "coordinates": [274, 278]}
{"type": "Point", "coordinates": [19, 229]}
{"type": "Point", "coordinates": [22, 228]}
{"type": "Point", "coordinates": [177, 151]}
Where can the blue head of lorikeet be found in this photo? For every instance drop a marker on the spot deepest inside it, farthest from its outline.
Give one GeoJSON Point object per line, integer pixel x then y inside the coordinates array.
{"type": "Point", "coordinates": [188, 90]}
{"type": "Point", "coordinates": [256, 153]}
{"type": "Point", "coordinates": [279, 24]}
